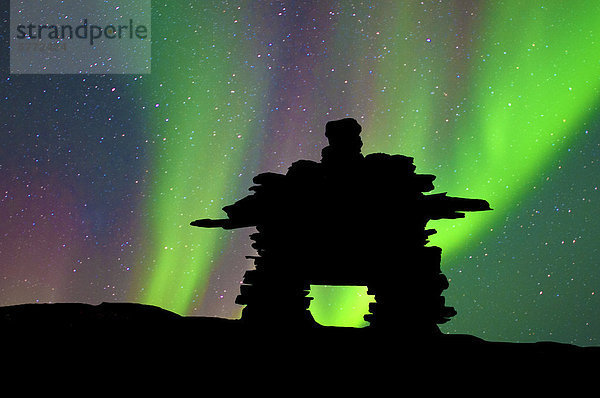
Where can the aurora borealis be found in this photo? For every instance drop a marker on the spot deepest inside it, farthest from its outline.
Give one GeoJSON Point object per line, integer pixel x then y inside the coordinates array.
{"type": "Point", "coordinates": [101, 174]}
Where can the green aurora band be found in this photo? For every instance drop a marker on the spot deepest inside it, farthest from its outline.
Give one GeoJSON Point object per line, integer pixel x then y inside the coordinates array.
{"type": "Point", "coordinates": [203, 133]}
{"type": "Point", "coordinates": [493, 95]}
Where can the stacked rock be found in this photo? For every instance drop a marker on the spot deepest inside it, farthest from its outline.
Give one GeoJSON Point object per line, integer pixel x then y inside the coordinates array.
{"type": "Point", "coordinates": [346, 220]}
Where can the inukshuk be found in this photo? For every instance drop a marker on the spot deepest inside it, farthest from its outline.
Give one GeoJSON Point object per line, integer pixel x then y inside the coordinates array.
{"type": "Point", "coordinates": [346, 220]}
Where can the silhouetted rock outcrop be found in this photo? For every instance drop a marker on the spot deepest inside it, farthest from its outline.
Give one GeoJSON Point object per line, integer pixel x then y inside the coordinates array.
{"type": "Point", "coordinates": [74, 314]}
{"type": "Point", "coordinates": [112, 333]}
{"type": "Point", "coordinates": [347, 220]}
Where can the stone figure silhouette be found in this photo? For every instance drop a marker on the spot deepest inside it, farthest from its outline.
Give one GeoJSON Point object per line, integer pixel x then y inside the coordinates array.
{"type": "Point", "coordinates": [346, 220]}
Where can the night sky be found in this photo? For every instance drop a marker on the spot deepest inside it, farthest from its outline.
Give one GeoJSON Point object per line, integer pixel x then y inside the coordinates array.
{"type": "Point", "coordinates": [101, 174]}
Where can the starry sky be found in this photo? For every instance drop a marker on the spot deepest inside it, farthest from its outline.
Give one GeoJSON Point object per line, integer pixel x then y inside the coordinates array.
{"type": "Point", "coordinates": [101, 174]}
